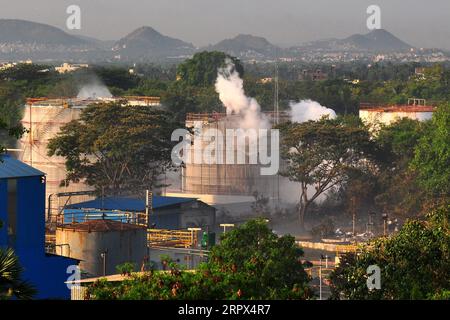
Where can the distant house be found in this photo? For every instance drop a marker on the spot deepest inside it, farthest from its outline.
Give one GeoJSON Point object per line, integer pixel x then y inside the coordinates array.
{"type": "Point", "coordinates": [67, 67]}
{"type": "Point", "coordinates": [166, 213]}
{"type": "Point", "coordinates": [310, 75]}
{"type": "Point", "coordinates": [265, 80]}
{"type": "Point", "coordinates": [22, 212]}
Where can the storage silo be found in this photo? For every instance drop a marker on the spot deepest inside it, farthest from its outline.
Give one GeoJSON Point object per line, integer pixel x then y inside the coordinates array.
{"type": "Point", "coordinates": [224, 178]}
{"type": "Point", "coordinates": [375, 115]}
{"type": "Point", "coordinates": [102, 245]}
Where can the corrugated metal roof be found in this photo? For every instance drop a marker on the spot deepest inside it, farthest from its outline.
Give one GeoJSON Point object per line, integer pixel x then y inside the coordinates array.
{"type": "Point", "coordinates": [13, 168]}
{"type": "Point", "coordinates": [128, 204]}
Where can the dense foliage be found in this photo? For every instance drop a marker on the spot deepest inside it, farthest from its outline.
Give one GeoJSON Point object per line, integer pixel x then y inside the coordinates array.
{"type": "Point", "coordinates": [414, 263]}
{"type": "Point", "coordinates": [117, 149]}
{"type": "Point", "coordinates": [11, 283]}
{"type": "Point", "coordinates": [251, 262]}
{"type": "Point", "coordinates": [432, 155]}
{"type": "Point", "coordinates": [201, 69]}
{"type": "Point", "coordinates": [324, 155]}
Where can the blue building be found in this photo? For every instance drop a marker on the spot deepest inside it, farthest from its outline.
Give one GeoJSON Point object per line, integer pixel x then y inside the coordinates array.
{"type": "Point", "coordinates": [22, 212]}
{"type": "Point", "coordinates": [167, 212]}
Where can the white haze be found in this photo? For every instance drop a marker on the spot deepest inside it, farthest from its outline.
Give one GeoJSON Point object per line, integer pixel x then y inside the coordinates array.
{"type": "Point", "coordinates": [94, 90]}
{"type": "Point", "coordinates": [306, 110]}
{"type": "Point", "coordinates": [230, 88]}
{"type": "Point", "coordinates": [303, 111]}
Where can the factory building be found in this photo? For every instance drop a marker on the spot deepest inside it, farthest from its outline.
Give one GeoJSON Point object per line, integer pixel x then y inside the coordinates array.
{"type": "Point", "coordinates": [22, 213]}
{"type": "Point", "coordinates": [43, 119]}
{"type": "Point", "coordinates": [165, 213]}
{"type": "Point", "coordinates": [231, 188]}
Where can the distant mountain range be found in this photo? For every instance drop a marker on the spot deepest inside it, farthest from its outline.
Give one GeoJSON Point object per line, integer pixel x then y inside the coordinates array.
{"type": "Point", "coordinates": [147, 42]}
{"type": "Point", "coordinates": [21, 39]}
{"type": "Point", "coordinates": [20, 31]}
{"type": "Point", "coordinates": [378, 40]}
{"type": "Point", "coordinates": [246, 46]}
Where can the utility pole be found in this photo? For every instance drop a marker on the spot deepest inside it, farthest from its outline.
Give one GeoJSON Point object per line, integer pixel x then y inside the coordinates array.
{"type": "Point", "coordinates": [354, 216]}
{"type": "Point", "coordinates": [31, 134]}
{"type": "Point", "coordinates": [103, 255]}
{"type": "Point", "coordinates": [385, 218]}
{"type": "Point", "coordinates": [320, 280]}
{"type": "Point", "coordinates": [276, 95]}
{"type": "Point", "coordinates": [148, 206]}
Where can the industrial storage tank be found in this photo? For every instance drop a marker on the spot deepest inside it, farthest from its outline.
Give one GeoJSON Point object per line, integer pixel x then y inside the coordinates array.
{"type": "Point", "coordinates": [102, 245]}
{"type": "Point", "coordinates": [43, 119]}
{"type": "Point", "coordinates": [225, 179]}
{"type": "Point", "coordinates": [376, 114]}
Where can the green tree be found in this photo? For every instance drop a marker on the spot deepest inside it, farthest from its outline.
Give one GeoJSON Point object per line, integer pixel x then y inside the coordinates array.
{"type": "Point", "coordinates": [321, 155]}
{"type": "Point", "coordinates": [11, 283]}
{"type": "Point", "coordinates": [201, 69]}
{"type": "Point", "coordinates": [117, 149]}
{"type": "Point", "coordinates": [251, 262]}
{"type": "Point", "coordinates": [399, 191]}
{"type": "Point", "coordinates": [432, 155]}
{"type": "Point", "coordinates": [414, 263]}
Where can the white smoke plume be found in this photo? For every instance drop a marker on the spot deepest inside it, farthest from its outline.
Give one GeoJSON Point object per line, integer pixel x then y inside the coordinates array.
{"type": "Point", "coordinates": [94, 90]}
{"type": "Point", "coordinates": [306, 110]}
{"type": "Point", "coordinates": [230, 88]}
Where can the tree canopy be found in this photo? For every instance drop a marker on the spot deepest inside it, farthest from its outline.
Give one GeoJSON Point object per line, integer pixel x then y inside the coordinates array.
{"type": "Point", "coordinates": [117, 149]}
{"type": "Point", "coordinates": [201, 69]}
{"type": "Point", "coordinates": [251, 262]}
{"type": "Point", "coordinates": [414, 263]}
{"type": "Point", "coordinates": [432, 155]}
{"type": "Point", "coordinates": [323, 155]}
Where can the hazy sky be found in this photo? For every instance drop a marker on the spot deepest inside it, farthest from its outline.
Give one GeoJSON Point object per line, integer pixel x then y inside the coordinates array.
{"type": "Point", "coordinates": [421, 23]}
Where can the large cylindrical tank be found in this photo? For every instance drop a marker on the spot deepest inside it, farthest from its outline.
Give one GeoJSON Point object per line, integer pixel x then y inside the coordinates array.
{"type": "Point", "coordinates": [43, 121]}
{"type": "Point", "coordinates": [386, 115]}
{"type": "Point", "coordinates": [102, 245]}
{"type": "Point", "coordinates": [225, 178]}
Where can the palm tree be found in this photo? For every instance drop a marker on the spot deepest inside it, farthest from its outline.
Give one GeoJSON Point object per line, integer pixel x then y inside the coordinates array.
{"type": "Point", "coordinates": [11, 284]}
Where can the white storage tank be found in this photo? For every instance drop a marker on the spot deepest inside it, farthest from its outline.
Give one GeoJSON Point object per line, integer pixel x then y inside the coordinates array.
{"type": "Point", "coordinates": [102, 245]}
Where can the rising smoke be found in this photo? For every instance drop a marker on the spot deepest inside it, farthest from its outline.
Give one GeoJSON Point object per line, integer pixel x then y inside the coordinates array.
{"type": "Point", "coordinates": [306, 110]}
{"type": "Point", "coordinates": [230, 88]}
{"type": "Point", "coordinates": [94, 90]}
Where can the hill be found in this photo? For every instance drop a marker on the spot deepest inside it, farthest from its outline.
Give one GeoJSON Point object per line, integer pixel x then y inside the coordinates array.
{"type": "Point", "coordinates": [246, 46]}
{"type": "Point", "coordinates": [27, 32]}
{"type": "Point", "coordinates": [375, 41]}
{"type": "Point", "coordinates": [147, 43]}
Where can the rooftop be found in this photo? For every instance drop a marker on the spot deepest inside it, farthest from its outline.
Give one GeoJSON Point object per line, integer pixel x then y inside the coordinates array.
{"type": "Point", "coordinates": [413, 105]}
{"type": "Point", "coordinates": [129, 204]}
{"type": "Point", "coordinates": [13, 168]}
{"type": "Point", "coordinates": [398, 108]}
{"type": "Point", "coordinates": [82, 102]}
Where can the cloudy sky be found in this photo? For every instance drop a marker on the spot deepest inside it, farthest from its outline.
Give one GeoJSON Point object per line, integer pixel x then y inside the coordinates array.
{"type": "Point", "coordinates": [283, 22]}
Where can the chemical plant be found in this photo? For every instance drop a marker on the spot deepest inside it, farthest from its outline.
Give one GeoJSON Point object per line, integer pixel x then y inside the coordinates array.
{"type": "Point", "coordinates": [98, 234]}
